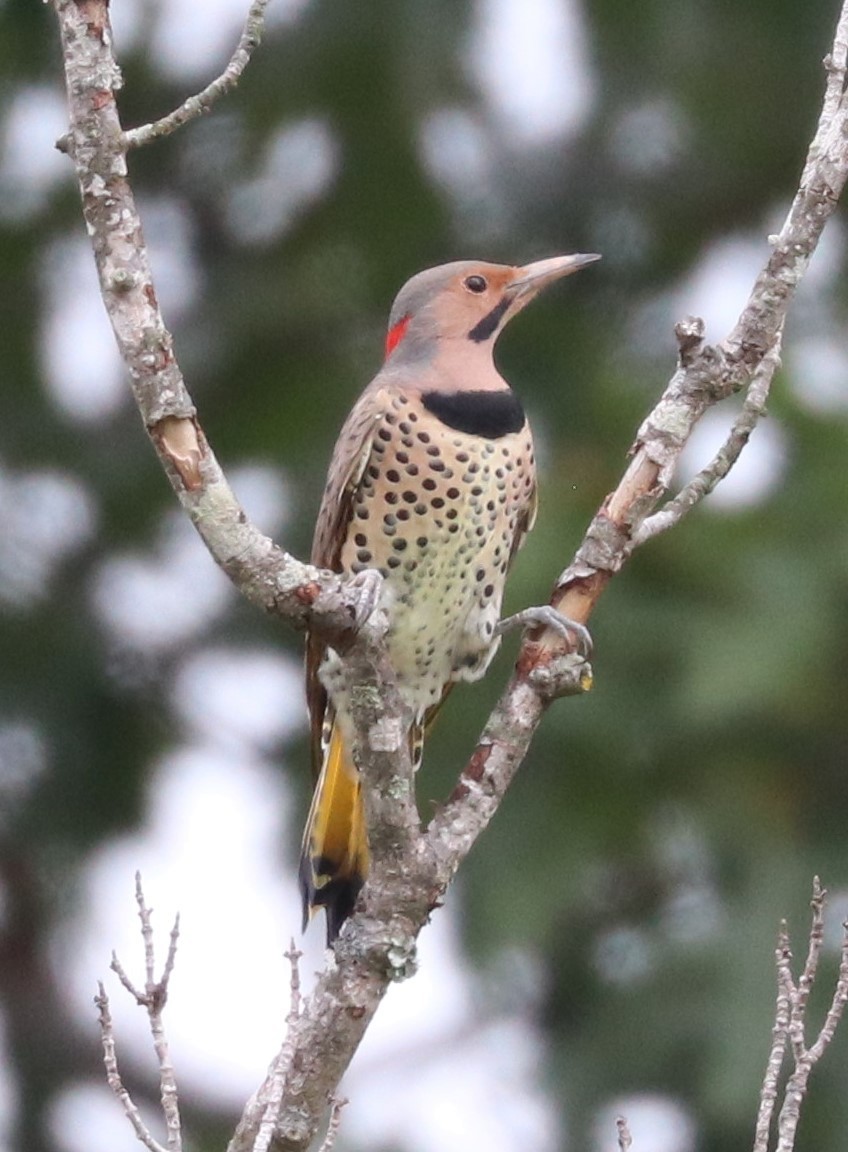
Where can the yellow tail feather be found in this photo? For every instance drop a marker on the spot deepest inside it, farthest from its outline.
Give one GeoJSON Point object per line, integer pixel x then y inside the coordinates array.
{"type": "Point", "coordinates": [334, 859]}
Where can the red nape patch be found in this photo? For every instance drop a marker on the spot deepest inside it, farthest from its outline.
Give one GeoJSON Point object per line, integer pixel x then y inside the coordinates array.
{"type": "Point", "coordinates": [396, 334]}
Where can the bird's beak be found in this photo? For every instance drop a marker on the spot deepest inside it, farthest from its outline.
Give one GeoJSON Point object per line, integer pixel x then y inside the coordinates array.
{"type": "Point", "coordinates": [532, 278]}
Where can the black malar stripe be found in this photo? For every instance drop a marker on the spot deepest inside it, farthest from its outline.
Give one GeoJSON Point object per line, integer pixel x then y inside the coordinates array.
{"type": "Point", "coordinates": [484, 328]}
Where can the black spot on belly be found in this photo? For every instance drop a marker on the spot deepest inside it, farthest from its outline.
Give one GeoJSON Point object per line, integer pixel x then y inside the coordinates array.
{"type": "Point", "coordinates": [487, 414]}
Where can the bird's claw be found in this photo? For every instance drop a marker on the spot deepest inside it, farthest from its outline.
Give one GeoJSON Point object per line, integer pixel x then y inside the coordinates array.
{"type": "Point", "coordinates": [367, 586]}
{"type": "Point", "coordinates": [545, 616]}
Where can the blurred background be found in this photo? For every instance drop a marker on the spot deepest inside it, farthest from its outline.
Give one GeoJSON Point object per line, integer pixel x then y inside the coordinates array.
{"type": "Point", "coordinates": [609, 945]}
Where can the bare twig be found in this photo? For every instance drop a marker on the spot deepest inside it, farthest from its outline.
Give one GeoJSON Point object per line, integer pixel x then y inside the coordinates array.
{"type": "Point", "coordinates": [624, 1137]}
{"type": "Point", "coordinates": [835, 66]}
{"type": "Point", "coordinates": [201, 103]}
{"type": "Point", "coordinates": [780, 1035]}
{"type": "Point", "coordinates": [153, 999]}
{"type": "Point", "coordinates": [113, 1076]}
{"type": "Point", "coordinates": [293, 956]}
{"type": "Point", "coordinates": [336, 1106]}
{"type": "Point", "coordinates": [703, 484]}
{"type": "Point", "coordinates": [800, 992]}
{"type": "Point", "coordinates": [275, 1082]}
{"type": "Point", "coordinates": [790, 1025]}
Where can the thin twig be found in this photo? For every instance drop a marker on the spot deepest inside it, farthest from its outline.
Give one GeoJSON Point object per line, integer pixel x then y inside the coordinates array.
{"type": "Point", "coordinates": [337, 1104]}
{"type": "Point", "coordinates": [811, 966]}
{"type": "Point", "coordinates": [153, 999]}
{"type": "Point", "coordinates": [195, 106]}
{"type": "Point", "coordinates": [624, 1137]}
{"type": "Point", "coordinates": [835, 66]}
{"type": "Point", "coordinates": [275, 1082]}
{"type": "Point", "coordinates": [837, 1004]}
{"type": "Point", "coordinates": [293, 956]}
{"type": "Point", "coordinates": [706, 480]}
{"type": "Point", "coordinates": [113, 1076]}
{"type": "Point", "coordinates": [157, 996]}
{"type": "Point", "coordinates": [789, 1026]}
{"type": "Point", "coordinates": [780, 1036]}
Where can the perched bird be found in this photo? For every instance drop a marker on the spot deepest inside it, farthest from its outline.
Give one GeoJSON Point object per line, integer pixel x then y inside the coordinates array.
{"type": "Point", "coordinates": [432, 483]}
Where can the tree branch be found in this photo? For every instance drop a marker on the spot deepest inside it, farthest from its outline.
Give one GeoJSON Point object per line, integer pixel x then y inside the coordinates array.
{"type": "Point", "coordinates": [153, 1000]}
{"type": "Point", "coordinates": [410, 871]}
{"type": "Point", "coordinates": [780, 1032]}
{"type": "Point", "coordinates": [789, 1027]}
{"type": "Point", "coordinates": [720, 465]}
{"type": "Point", "coordinates": [195, 106]}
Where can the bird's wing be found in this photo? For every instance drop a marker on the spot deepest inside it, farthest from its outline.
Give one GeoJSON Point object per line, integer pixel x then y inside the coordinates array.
{"type": "Point", "coordinates": [348, 463]}
{"type": "Point", "coordinates": [524, 524]}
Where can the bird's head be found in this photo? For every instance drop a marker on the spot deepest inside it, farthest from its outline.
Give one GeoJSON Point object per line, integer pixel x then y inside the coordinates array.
{"type": "Point", "coordinates": [469, 300]}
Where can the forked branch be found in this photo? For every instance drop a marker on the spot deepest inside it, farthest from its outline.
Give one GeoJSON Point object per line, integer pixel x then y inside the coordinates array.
{"type": "Point", "coordinates": [411, 871]}
{"type": "Point", "coordinates": [789, 1032]}
{"type": "Point", "coordinates": [202, 102]}
{"type": "Point", "coordinates": [152, 998]}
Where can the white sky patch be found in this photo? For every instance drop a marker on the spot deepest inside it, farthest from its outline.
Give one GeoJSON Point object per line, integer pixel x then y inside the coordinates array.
{"type": "Point", "coordinates": [45, 516]}
{"type": "Point", "coordinates": [157, 601]}
{"type": "Point", "coordinates": [30, 165]}
{"type": "Point", "coordinates": [194, 39]}
{"type": "Point", "coordinates": [23, 759]}
{"type": "Point", "coordinates": [818, 369]}
{"type": "Point", "coordinates": [239, 700]}
{"type": "Point", "coordinates": [127, 25]}
{"type": "Point", "coordinates": [625, 238]}
{"type": "Point", "coordinates": [82, 369]}
{"type": "Point", "coordinates": [263, 493]}
{"type": "Point", "coordinates": [300, 163]}
{"type": "Point", "coordinates": [473, 1089]}
{"type": "Point", "coordinates": [648, 137]}
{"type": "Point", "coordinates": [435, 1032]}
{"type": "Point", "coordinates": [176, 274]}
{"type": "Point", "coordinates": [756, 473]}
{"type": "Point", "coordinates": [837, 915]}
{"type": "Point", "coordinates": [816, 352]}
{"type": "Point", "coordinates": [718, 286]}
{"type": "Point", "coordinates": [531, 61]}
{"type": "Point", "coordinates": [87, 1118]}
{"type": "Point", "coordinates": [828, 262]}
{"type": "Point", "coordinates": [656, 1122]}
{"type": "Point", "coordinates": [456, 150]}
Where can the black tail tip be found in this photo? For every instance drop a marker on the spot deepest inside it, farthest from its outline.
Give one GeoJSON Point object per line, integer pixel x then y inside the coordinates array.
{"type": "Point", "coordinates": [339, 905]}
{"type": "Point", "coordinates": [337, 897]}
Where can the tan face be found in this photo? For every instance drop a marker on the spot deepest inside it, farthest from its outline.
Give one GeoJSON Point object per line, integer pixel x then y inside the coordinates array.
{"type": "Point", "coordinates": [477, 291]}
{"type": "Point", "coordinates": [478, 299]}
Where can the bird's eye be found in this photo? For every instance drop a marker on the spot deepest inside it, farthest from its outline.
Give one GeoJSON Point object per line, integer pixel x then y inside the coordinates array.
{"type": "Point", "coordinates": [476, 284]}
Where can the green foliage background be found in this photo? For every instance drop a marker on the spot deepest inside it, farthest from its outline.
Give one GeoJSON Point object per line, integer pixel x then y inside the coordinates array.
{"type": "Point", "coordinates": [661, 826]}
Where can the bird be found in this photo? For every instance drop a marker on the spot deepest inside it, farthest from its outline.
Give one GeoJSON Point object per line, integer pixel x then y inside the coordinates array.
{"type": "Point", "coordinates": [432, 482]}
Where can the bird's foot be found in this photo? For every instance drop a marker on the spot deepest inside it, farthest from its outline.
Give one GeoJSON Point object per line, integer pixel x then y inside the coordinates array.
{"type": "Point", "coordinates": [544, 616]}
{"type": "Point", "coordinates": [367, 586]}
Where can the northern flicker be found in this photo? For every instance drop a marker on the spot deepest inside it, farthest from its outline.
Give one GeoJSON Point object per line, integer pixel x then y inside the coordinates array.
{"type": "Point", "coordinates": [432, 483]}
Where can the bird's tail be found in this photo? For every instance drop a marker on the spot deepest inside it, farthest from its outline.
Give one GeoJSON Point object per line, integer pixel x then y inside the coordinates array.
{"type": "Point", "coordinates": [334, 858]}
